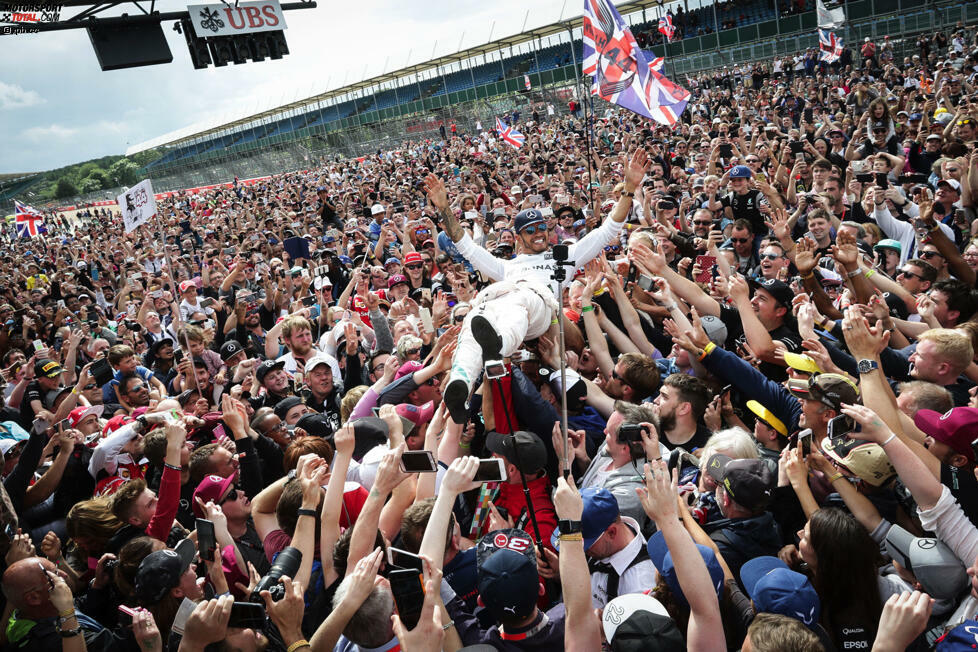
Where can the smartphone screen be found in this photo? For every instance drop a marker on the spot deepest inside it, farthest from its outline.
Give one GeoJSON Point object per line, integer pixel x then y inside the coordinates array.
{"type": "Point", "coordinates": [490, 470]}
{"type": "Point", "coordinates": [418, 462]}
{"type": "Point", "coordinates": [404, 559]}
{"type": "Point", "coordinates": [206, 541]}
{"type": "Point", "coordinates": [408, 591]}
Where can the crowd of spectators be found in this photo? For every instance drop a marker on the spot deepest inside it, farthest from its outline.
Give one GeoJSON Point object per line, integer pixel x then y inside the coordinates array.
{"type": "Point", "coordinates": [323, 410]}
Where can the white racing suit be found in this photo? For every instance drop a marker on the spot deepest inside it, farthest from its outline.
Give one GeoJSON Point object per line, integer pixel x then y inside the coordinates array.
{"type": "Point", "coordinates": [522, 303]}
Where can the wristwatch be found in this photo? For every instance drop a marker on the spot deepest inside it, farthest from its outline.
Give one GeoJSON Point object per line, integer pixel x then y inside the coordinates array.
{"type": "Point", "coordinates": [569, 527]}
{"type": "Point", "coordinates": [866, 365]}
{"type": "Point", "coordinates": [625, 193]}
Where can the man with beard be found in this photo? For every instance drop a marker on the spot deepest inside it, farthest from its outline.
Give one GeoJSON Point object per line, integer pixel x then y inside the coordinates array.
{"type": "Point", "coordinates": [680, 406]}
{"type": "Point", "coordinates": [134, 391]}
{"type": "Point", "coordinates": [246, 325]}
{"type": "Point", "coordinates": [322, 393]}
{"type": "Point", "coordinates": [297, 335]}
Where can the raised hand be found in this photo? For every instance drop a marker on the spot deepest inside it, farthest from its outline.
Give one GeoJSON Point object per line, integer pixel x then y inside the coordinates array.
{"type": "Point", "coordinates": [805, 258]}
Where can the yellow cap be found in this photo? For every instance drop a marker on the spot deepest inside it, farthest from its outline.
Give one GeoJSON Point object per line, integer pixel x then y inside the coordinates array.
{"type": "Point", "coordinates": [801, 362]}
{"type": "Point", "coordinates": [767, 417]}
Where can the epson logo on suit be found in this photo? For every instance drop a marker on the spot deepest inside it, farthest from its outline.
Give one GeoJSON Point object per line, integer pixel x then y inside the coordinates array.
{"type": "Point", "coordinates": [231, 20]}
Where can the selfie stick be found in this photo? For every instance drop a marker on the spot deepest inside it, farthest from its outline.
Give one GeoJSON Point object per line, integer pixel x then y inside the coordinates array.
{"type": "Point", "coordinates": [561, 254]}
{"type": "Point", "coordinates": [519, 465]}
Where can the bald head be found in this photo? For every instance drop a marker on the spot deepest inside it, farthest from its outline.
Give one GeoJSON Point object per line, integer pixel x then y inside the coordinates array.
{"type": "Point", "coordinates": [26, 587]}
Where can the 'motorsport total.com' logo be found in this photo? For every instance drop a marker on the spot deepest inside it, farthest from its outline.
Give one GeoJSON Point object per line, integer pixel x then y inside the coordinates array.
{"type": "Point", "coordinates": [23, 17]}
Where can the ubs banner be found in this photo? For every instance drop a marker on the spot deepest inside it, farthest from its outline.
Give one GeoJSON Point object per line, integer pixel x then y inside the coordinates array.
{"type": "Point", "coordinates": [245, 18]}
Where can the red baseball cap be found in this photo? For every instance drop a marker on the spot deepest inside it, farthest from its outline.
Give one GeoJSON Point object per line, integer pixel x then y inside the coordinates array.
{"type": "Point", "coordinates": [79, 413]}
{"type": "Point", "coordinates": [955, 428]}
{"type": "Point", "coordinates": [210, 489]}
{"type": "Point", "coordinates": [416, 414]}
{"type": "Point", "coordinates": [115, 423]}
{"type": "Point", "coordinates": [413, 257]}
{"type": "Point", "coordinates": [186, 285]}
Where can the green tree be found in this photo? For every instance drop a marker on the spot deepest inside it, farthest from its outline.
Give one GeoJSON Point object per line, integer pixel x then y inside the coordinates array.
{"type": "Point", "coordinates": [124, 172]}
{"type": "Point", "coordinates": [89, 184]}
{"type": "Point", "coordinates": [65, 188]}
{"type": "Point", "coordinates": [102, 178]}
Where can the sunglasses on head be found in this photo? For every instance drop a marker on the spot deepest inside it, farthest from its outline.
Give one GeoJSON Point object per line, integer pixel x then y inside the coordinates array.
{"type": "Point", "coordinates": [530, 230]}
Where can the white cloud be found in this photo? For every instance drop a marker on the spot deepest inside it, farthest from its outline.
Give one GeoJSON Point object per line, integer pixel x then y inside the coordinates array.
{"type": "Point", "coordinates": [51, 132]}
{"type": "Point", "coordinates": [13, 96]}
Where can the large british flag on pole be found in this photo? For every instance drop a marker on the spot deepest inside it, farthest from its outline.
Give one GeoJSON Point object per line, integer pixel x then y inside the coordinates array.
{"type": "Point", "coordinates": [622, 74]}
{"type": "Point", "coordinates": [829, 45]}
{"type": "Point", "coordinates": [509, 134]}
{"type": "Point", "coordinates": [27, 220]}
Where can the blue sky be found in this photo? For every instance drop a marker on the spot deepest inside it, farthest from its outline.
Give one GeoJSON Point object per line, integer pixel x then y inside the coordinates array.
{"type": "Point", "coordinates": [57, 107]}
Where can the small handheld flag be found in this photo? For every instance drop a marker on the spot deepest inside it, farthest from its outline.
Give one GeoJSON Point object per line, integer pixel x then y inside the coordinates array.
{"type": "Point", "coordinates": [509, 134]}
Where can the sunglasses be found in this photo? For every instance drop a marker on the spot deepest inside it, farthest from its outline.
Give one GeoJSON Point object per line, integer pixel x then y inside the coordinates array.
{"type": "Point", "coordinates": [616, 376]}
{"type": "Point", "coordinates": [413, 351]}
{"type": "Point", "coordinates": [612, 249]}
{"type": "Point", "coordinates": [904, 272]}
{"type": "Point", "coordinates": [739, 240]}
{"type": "Point", "coordinates": [927, 255]}
{"type": "Point", "coordinates": [459, 318]}
{"type": "Point", "coordinates": [89, 387]}
{"type": "Point", "coordinates": [530, 230]}
{"type": "Point", "coordinates": [703, 222]}
{"type": "Point", "coordinates": [414, 266]}
{"type": "Point", "coordinates": [231, 495]}
{"type": "Point", "coordinates": [769, 256]}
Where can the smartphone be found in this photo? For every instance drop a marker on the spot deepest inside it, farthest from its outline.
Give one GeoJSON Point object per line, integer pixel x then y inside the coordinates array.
{"type": "Point", "coordinates": [38, 345]}
{"type": "Point", "coordinates": [177, 355]}
{"type": "Point", "coordinates": [10, 531]}
{"type": "Point", "coordinates": [207, 302]}
{"type": "Point", "coordinates": [125, 615]}
{"type": "Point", "coordinates": [309, 301]}
{"type": "Point", "coordinates": [841, 425]}
{"type": "Point", "coordinates": [706, 264]}
{"type": "Point", "coordinates": [495, 369]}
{"type": "Point", "coordinates": [426, 294]}
{"type": "Point", "coordinates": [864, 177]}
{"type": "Point", "coordinates": [726, 151]}
{"type": "Point", "coordinates": [156, 294]}
{"type": "Point", "coordinates": [429, 325]}
{"type": "Point", "coordinates": [805, 438]}
{"type": "Point", "coordinates": [808, 114]}
{"type": "Point", "coordinates": [535, 199]}
{"type": "Point", "coordinates": [62, 425]}
{"type": "Point", "coordinates": [408, 591]}
{"type": "Point", "coordinates": [246, 615]}
{"type": "Point", "coordinates": [645, 282]}
{"type": "Point", "coordinates": [418, 462]}
{"type": "Point", "coordinates": [882, 181]}
{"type": "Point", "coordinates": [491, 470]}
{"type": "Point", "coordinates": [630, 432]}
{"type": "Point", "coordinates": [101, 371]}
{"type": "Point", "coordinates": [245, 297]}
{"type": "Point", "coordinates": [206, 540]}
{"type": "Point", "coordinates": [800, 156]}
{"type": "Point", "coordinates": [404, 559]}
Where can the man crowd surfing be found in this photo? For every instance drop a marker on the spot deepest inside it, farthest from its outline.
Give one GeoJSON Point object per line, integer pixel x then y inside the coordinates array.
{"type": "Point", "coordinates": [323, 410]}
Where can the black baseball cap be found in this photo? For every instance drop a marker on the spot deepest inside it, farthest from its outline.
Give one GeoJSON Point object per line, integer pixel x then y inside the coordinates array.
{"type": "Point", "coordinates": [159, 344]}
{"type": "Point", "coordinates": [507, 573]}
{"type": "Point", "coordinates": [780, 290]}
{"type": "Point", "coordinates": [282, 407]}
{"type": "Point", "coordinates": [315, 424]}
{"type": "Point", "coordinates": [750, 482]}
{"type": "Point", "coordinates": [528, 217]}
{"type": "Point", "coordinates": [367, 433]}
{"type": "Point", "coordinates": [160, 571]}
{"type": "Point", "coordinates": [229, 349]}
{"type": "Point", "coordinates": [531, 456]}
{"type": "Point", "coordinates": [267, 366]}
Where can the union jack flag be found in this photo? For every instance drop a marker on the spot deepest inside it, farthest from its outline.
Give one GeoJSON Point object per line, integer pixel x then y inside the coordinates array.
{"type": "Point", "coordinates": [666, 28]}
{"type": "Point", "coordinates": [829, 45]}
{"type": "Point", "coordinates": [622, 73]}
{"type": "Point", "coordinates": [27, 220]}
{"type": "Point", "coordinates": [509, 134]}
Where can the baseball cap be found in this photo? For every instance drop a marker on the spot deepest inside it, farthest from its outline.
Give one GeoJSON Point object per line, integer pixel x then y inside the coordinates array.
{"type": "Point", "coordinates": [777, 589]}
{"type": "Point", "coordinates": [210, 489]}
{"type": "Point", "coordinates": [266, 366]}
{"type": "Point", "coordinates": [507, 573]}
{"type": "Point", "coordinates": [740, 172]}
{"type": "Point", "coordinates": [750, 483]}
{"type": "Point", "coordinates": [282, 407]}
{"type": "Point", "coordinates": [416, 414]}
{"type": "Point", "coordinates": [316, 425]}
{"type": "Point", "coordinates": [186, 285]}
{"type": "Point", "coordinates": [15, 437]}
{"type": "Point", "coordinates": [888, 243]}
{"type": "Point", "coordinates": [408, 367]}
{"type": "Point", "coordinates": [636, 621]}
{"type": "Point", "coordinates": [767, 417]}
{"type": "Point", "coordinates": [801, 362]}
{"type": "Point", "coordinates": [936, 567]}
{"type": "Point", "coordinates": [955, 428]}
{"type": "Point", "coordinates": [600, 511]}
{"type": "Point", "coordinates": [413, 257]}
{"type": "Point", "coordinates": [79, 413]}
{"type": "Point", "coordinates": [377, 209]}
{"type": "Point", "coordinates": [520, 445]}
{"type": "Point", "coordinates": [662, 560]}
{"type": "Point", "coordinates": [160, 571]}
{"type": "Point", "coordinates": [47, 368]}
{"type": "Point", "coordinates": [866, 460]}
{"type": "Point", "coordinates": [960, 639]}
{"type": "Point", "coordinates": [829, 389]}
{"type": "Point", "coordinates": [779, 290]}
{"type": "Point", "coordinates": [229, 349]}
{"type": "Point", "coordinates": [528, 217]}
{"type": "Point", "coordinates": [933, 137]}
{"type": "Point", "coordinates": [395, 280]}
{"type": "Point", "coordinates": [322, 358]}
{"type": "Point", "coordinates": [915, 116]}
{"type": "Point", "coordinates": [516, 190]}
{"type": "Point", "coordinates": [392, 261]}
{"type": "Point", "coordinates": [714, 328]}
{"type": "Point", "coordinates": [368, 432]}
{"type": "Point", "coordinates": [954, 184]}
{"type": "Point", "coordinates": [160, 343]}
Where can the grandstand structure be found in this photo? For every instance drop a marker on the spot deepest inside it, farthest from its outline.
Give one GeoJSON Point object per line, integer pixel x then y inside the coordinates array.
{"type": "Point", "coordinates": [473, 85]}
